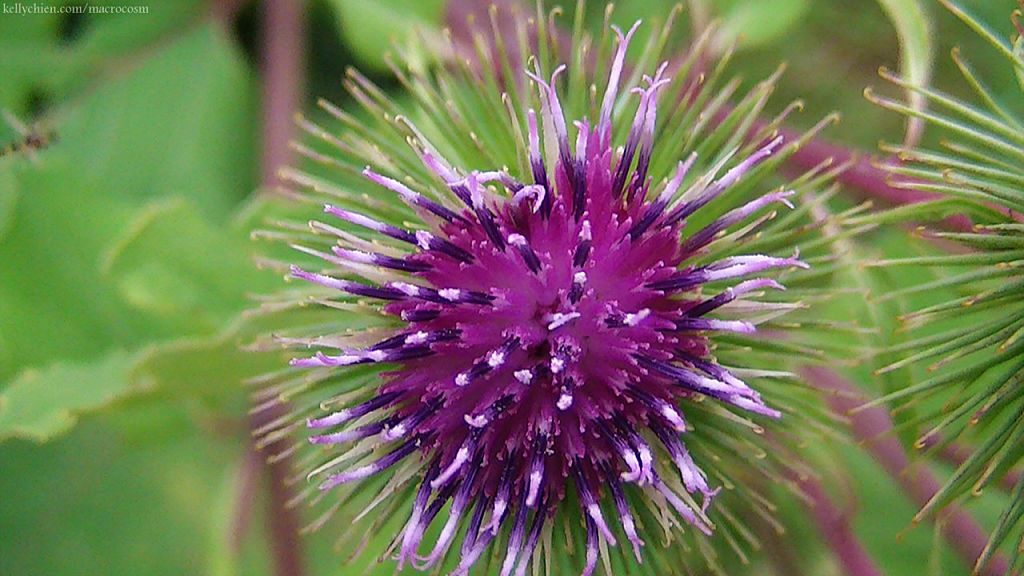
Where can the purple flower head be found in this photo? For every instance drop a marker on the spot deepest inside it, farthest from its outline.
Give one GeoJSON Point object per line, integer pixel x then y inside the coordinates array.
{"type": "Point", "coordinates": [550, 328]}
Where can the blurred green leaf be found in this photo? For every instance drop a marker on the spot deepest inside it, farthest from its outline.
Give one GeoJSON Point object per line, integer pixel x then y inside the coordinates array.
{"type": "Point", "coordinates": [898, 546]}
{"type": "Point", "coordinates": [116, 36]}
{"type": "Point", "coordinates": [203, 377]}
{"type": "Point", "coordinates": [914, 29]}
{"type": "Point", "coordinates": [626, 13]}
{"type": "Point", "coordinates": [49, 57]}
{"type": "Point", "coordinates": [747, 25]}
{"type": "Point", "coordinates": [176, 268]}
{"type": "Point", "coordinates": [26, 44]}
{"type": "Point", "coordinates": [223, 556]}
{"type": "Point", "coordinates": [80, 282]}
{"type": "Point", "coordinates": [8, 197]}
{"type": "Point", "coordinates": [137, 137]}
{"type": "Point", "coordinates": [41, 404]}
{"type": "Point", "coordinates": [371, 27]}
{"type": "Point", "coordinates": [90, 503]}
{"type": "Point", "coordinates": [151, 133]}
{"type": "Point", "coordinates": [175, 388]}
{"type": "Point", "coordinates": [1018, 50]}
{"type": "Point", "coordinates": [755, 24]}
{"type": "Point", "coordinates": [206, 373]}
{"type": "Point", "coordinates": [162, 270]}
{"type": "Point", "coordinates": [53, 302]}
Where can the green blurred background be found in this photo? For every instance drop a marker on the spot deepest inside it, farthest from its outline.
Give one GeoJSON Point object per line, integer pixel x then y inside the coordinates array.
{"type": "Point", "coordinates": [125, 259]}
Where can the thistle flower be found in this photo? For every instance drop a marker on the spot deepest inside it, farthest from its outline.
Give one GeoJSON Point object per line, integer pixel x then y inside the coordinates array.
{"type": "Point", "coordinates": [549, 332]}
{"type": "Point", "coordinates": [972, 338]}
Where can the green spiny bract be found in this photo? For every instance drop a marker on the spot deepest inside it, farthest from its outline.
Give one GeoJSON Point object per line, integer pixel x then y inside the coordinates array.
{"type": "Point", "coordinates": [970, 344]}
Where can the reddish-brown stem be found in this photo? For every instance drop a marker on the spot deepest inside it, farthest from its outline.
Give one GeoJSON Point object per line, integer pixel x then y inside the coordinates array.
{"type": "Point", "coordinates": [864, 179]}
{"type": "Point", "coordinates": [874, 429]}
{"type": "Point", "coordinates": [224, 11]}
{"type": "Point", "coordinates": [283, 44]}
{"type": "Point", "coordinates": [248, 476]}
{"type": "Point", "coordinates": [835, 531]}
{"type": "Point", "coordinates": [282, 521]}
{"type": "Point", "coordinates": [956, 455]}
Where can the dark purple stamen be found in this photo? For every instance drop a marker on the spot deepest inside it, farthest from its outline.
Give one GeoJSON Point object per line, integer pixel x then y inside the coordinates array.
{"type": "Point", "coordinates": [623, 449]}
{"type": "Point", "coordinates": [347, 414]}
{"type": "Point", "coordinates": [443, 496]}
{"type": "Point", "coordinates": [417, 338]}
{"type": "Point", "coordinates": [462, 497]}
{"type": "Point", "coordinates": [401, 428]}
{"type": "Point", "coordinates": [715, 371]}
{"type": "Point", "coordinates": [705, 235]}
{"type": "Point", "coordinates": [428, 241]}
{"type": "Point", "coordinates": [577, 170]}
{"type": "Point", "coordinates": [701, 324]}
{"type": "Point", "coordinates": [582, 250]}
{"type": "Point", "coordinates": [349, 435]}
{"type": "Point", "coordinates": [692, 478]}
{"type": "Point", "coordinates": [686, 280]}
{"type": "Point", "coordinates": [638, 446]}
{"type": "Point", "coordinates": [376, 467]}
{"type": "Point", "coordinates": [414, 528]}
{"type": "Point", "coordinates": [632, 140]}
{"type": "Point", "coordinates": [729, 393]}
{"type": "Point", "coordinates": [473, 530]}
{"type": "Point", "coordinates": [515, 540]}
{"type": "Point", "coordinates": [728, 179]}
{"type": "Point", "coordinates": [590, 506]}
{"type": "Point", "coordinates": [655, 209]}
{"type": "Point", "coordinates": [639, 178]}
{"type": "Point", "coordinates": [468, 191]}
{"type": "Point", "coordinates": [525, 251]}
{"type": "Point", "coordinates": [659, 407]}
{"type": "Point", "coordinates": [504, 492]}
{"type": "Point", "coordinates": [414, 198]}
{"type": "Point", "coordinates": [622, 508]}
{"type": "Point", "coordinates": [536, 477]}
{"type": "Point", "coordinates": [419, 315]}
{"type": "Point", "coordinates": [365, 357]}
{"type": "Point", "coordinates": [442, 296]}
{"type": "Point", "coordinates": [468, 558]}
{"type": "Point", "coordinates": [534, 536]}
{"type": "Point", "coordinates": [492, 360]}
{"type": "Point", "coordinates": [579, 282]}
{"type": "Point", "coordinates": [371, 224]}
{"type": "Point", "coordinates": [353, 288]}
{"type": "Point", "coordinates": [461, 457]}
{"type": "Point", "coordinates": [553, 112]}
{"type": "Point", "coordinates": [539, 171]}
{"type": "Point", "coordinates": [651, 214]}
{"type": "Point", "coordinates": [421, 238]}
{"type": "Point", "coordinates": [380, 260]}
{"type": "Point", "coordinates": [730, 294]}
{"type": "Point", "coordinates": [461, 192]}
{"type": "Point", "coordinates": [683, 377]}
{"type": "Point", "coordinates": [591, 548]}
